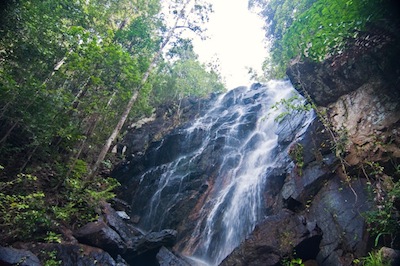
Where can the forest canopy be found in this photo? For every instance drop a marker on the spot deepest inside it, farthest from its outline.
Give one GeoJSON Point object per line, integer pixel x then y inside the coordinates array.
{"type": "Point", "coordinates": [68, 71]}
{"type": "Point", "coordinates": [315, 29]}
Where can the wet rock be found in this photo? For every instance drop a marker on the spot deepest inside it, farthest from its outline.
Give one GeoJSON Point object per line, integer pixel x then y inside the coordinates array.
{"type": "Point", "coordinates": [304, 187]}
{"type": "Point", "coordinates": [167, 258]}
{"type": "Point", "coordinates": [13, 256]}
{"type": "Point", "coordinates": [154, 240]}
{"type": "Point", "coordinates": [274, 238]}
{"type": "Point", "coordinates": [145, 248]}
{"type": "Point", "coordinates": [290, 126]}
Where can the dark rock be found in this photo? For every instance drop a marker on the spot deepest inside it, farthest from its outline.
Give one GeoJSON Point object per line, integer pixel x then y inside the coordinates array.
{"type": "Point", "coordinates": [326, 82]}
{"type": "Point", "coordinates": [337, 209]}
{"type": "Point", "coordinates": [391, 255]}
{"type": "Point", "coordinates": [125, 230]}
{"type": "Point", "coordinates": [119, 238]}
{"type": "Point", "coordinates": [155, 240]}
{"type": "Point", "coordinates": [315, 141]}
{"type": "Point", "coordinates": [99, 234]}
{"type": "Point", "coordinates": [304, 187]}
{"type": "Point", "coordinates": [13, 256]}
{"type": "Point", "coordinates": [274, 238]}
{"type": "Point", "coordinates": [74, 254]}
{"type": "Point", "coordinates": [167, 258]}
{"type": "Point", "coordinates": [145, 248]}
{"type": "Point", "coordinates": [289, 127]}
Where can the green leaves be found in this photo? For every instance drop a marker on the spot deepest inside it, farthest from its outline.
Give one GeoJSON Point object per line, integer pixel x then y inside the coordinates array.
{"type": "Point", "coordinates": [68, 70]}
{"type": "Point", "coordinates": [185, 76]}
{"type": "Point", "coordinates": [315, 29]}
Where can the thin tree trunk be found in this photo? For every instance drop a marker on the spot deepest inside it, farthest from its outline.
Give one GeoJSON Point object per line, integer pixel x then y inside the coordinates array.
{"type": "Point", "coordinates": [8, 132]}
{"type": "Point", "coordinates": [88, 132]}
{"type": "Point", "coordinates": [82, 91]}
{"type": "Point", "coordinates": [29, 158]}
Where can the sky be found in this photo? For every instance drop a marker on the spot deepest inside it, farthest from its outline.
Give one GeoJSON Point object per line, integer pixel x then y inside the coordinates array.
{"type": "Point", "coordinates": [236, 38]}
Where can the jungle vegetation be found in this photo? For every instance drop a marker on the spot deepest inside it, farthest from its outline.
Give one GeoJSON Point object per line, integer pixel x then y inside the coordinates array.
{"type": "Point", "coordinates": [69, 70]}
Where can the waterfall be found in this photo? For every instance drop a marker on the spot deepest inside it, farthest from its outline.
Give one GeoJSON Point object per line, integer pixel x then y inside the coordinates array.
{"type": "Point", "coordinates": [213, 172]}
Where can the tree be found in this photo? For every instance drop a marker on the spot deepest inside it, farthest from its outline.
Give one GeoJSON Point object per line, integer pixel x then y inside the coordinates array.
{"type": "Point", "coordinates": [314, 29]}
{"type": "Point", "coordinates": [182, 75]}
{"type": "Point", "coordinates": [187, 16]}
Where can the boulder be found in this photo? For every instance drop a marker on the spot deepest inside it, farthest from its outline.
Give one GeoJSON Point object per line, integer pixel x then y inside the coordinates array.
{"type": "Point", "coordinates": [167, 258]}
{"type": "Point", "coordinates": [337, 209]}
{"type": "Point", "coordinates": [325, 82]}
{"type": "Point", "coordinates": [73, 254]}
{"type": "Point", "coordinates": [154, 241]}
{"type": "Point", "coordinates": [13, 256]}
{"type": "Point", "coordinates": [119, 238]}
{"type": "Point", "coordinates": [391, 255]}
{"type": "Point", "coordinates": [275, 238]}
{"type": "Point", "coordinates": [99, 234]}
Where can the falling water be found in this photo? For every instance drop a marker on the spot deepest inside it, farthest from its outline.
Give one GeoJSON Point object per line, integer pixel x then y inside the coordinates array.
{"type": "Point", "coordinates": [236, 204]}
{"type": "Point", "coordinates": [241, 124]}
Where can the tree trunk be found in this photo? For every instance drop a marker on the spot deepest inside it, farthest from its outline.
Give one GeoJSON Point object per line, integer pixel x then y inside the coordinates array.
{"type": "Point", "coordinates": [8, 132]}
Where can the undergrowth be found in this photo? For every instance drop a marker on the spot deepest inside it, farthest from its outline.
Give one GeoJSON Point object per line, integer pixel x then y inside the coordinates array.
{"type": "Point", "coordinates": [33, 208]}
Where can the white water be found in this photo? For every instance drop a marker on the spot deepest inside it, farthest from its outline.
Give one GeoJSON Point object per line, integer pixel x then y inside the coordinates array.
{"type": "Point", "coordinates": [236, 204]}
{"type": "Point", "coordinates": [241, 128]}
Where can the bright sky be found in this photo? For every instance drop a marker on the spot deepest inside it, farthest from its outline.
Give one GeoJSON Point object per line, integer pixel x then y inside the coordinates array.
{"type": "Point", "coordinates": [236, 38]}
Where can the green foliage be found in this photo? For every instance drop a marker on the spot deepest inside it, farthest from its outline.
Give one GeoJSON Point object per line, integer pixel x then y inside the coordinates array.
{"type": "Point", "coordinates": [293, 262]}
{"type": "Point", "coordinates": [314, 29]}
{"type": "Point", "coordinates": [53, 237]}
{"type": "Point", "coordinates": [383, 220]}
{"type": "Point", "coordinates": [296, 154]}
{"type": "Point", "coordinates": [294, 104]}
{"type": "Point", "coordinates": [51, 258]}
{"type": "Point", "coordinates": [374, 258]}
{"type": "Point", "coordinates": [80, 197]}
{"type": "Point", "coordinates": [185, 77]}
{"type": "Point", "coordinates": [23, 212]}
{"type": "Point", "coordinates": [68, 69]}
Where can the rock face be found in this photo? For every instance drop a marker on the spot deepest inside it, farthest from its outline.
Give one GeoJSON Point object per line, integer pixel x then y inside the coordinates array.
{"type": "Point", "coordinates": [227, 157]}
{"type": "Point", "coordinates": [368, 120]}
{"type": "Point", "coordinates": [142, 133]}
{"type": "Point", "coordinates": [310, 207]}
{"type": "Point", "coordinates": [359, 91]}
{"type": "Point", "coordinates": [263, 247]}
{"type": "Point", "coordinates": [371, 58]}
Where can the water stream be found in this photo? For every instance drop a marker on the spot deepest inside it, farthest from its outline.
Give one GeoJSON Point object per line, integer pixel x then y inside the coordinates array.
{"type": "Point", "coordinates": [236, 143]}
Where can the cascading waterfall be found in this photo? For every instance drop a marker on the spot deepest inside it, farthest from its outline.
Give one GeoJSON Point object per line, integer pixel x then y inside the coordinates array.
{"type": "Point", "coordinates": [236, 204]}
{"type": "Point", "coordinates": [239, 126]}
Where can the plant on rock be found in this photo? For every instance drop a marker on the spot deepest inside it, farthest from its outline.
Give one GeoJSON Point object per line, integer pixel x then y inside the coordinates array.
{"type": "Point", "coordinates": [384, 219]}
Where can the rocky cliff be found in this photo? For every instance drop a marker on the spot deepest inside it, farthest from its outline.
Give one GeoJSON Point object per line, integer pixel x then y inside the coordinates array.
{"type": "Point", "coordinates": [323, 209]}
{"type": "Point", "coordinates": [317, 199]}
